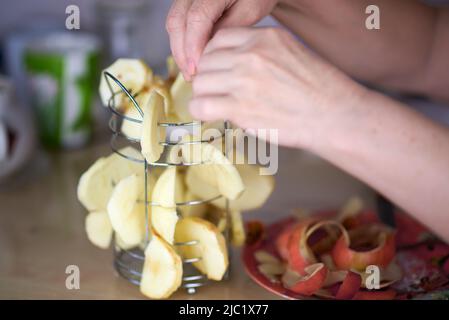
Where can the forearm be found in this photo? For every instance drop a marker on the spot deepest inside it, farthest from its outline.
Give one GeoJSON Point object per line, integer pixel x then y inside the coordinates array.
{"type": "Point", "coordinates": [397, 151]}
{"type": "Point", "coordinates": [396, 56]}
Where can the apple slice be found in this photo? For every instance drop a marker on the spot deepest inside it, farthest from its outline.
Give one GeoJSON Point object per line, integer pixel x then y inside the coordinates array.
{"type": "Point", "coordinates": [127, 215]}
{"type": "Point", "coordinates": [181, 92]}
{"type": "Point", "coordinates": [172, 69]}
{"type": "Point", "coordinates": [164, 220]}
{"type": "Point", "coordinates": [238, 235]}
{"type": "Point", "coordinates": [210, 247]}
{"type": "Point", "coordinates": [130, 128]}
{"type": "Point", "coordinates": [366, 245]}
{"type": "Point", "coordinates": [162, 270]}
{"type": "Point", "coordinates": [99, 229]}
{"type": "Point", "coordinates": [215, 168]}
{"type": "Point", "coordinates": [315, 276]}
{"type": "Point", "coordinates": [152, 133]}
{"type": "Point", "coordinates": [167, 191]}
{"type": "Point", "coordinates": [96, 184]}
{"type": "Point", "coordinates": [257, 187]}
{"type": "Point", "coordinates": [169, 188]}
{"type": "Point", "coordinates": [132, 73]}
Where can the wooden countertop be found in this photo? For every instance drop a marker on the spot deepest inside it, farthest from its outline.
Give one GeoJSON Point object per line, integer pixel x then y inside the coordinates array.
{"type": "Point", "coordinates": [42, 228]}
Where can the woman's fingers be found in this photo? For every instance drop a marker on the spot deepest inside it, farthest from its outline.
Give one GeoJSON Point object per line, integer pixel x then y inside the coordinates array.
{"type": "Point", "coordinates": [176, 27]}
{"type": "Point", "coordinates": [212, 83]}
{"type": "Point", "coordinates": [219, 60]}
{"type": "Point", "coordinates": [229, 38]}
{"type": "Point", "coordinates": [211, 108]}
{"type": "Point", "coordinates": [200, 21]}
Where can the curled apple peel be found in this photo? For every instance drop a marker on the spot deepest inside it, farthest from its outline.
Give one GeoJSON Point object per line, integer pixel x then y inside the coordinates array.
{"type": "Point", "coordinates": [311, 282]}
{"type": "Point", "coordinates": [364, 246]}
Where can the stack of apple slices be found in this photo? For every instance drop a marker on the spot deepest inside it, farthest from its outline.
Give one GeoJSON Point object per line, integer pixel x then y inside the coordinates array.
{"type": "Point", "coordinates": [112, 189]}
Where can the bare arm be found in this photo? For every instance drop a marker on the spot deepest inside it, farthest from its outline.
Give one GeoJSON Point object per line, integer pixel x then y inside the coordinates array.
{"type": "Point", "coordinates": [397, 151]}
{"type": "Point", "coordinates": [409, 53]}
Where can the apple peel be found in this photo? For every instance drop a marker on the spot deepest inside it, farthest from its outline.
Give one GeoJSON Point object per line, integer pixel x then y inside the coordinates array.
{"type": "Point", "coordinates": [313, 280]}
{"type": "Point", "coordinates": [380, 254]}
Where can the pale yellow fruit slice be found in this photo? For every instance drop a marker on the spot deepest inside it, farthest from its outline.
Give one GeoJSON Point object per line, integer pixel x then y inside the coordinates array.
{"type": "Point", "coordinates": [99, 229]}
{"type": "Point", "coordinates": [96, 184]}
{"type": "Point", "coordinates": [162, 270]}
{"type": "Point", "coordinates": [169, 188]}
{"type": "Point", "coordinates": [172, 68]}
{"type": "Point", "coordinates": [132, 73]}
{"type": "Point", "coordinates": [126, 213]}
{"type": "Point", "coordinates": [164, 221]}
{"type": "Point", "coordinates": [238, 235]}
{"type": "Point", "coordinates": [257, 187]}
{"type": "Point", "coordinates": [181, 93]}
{"type": "Point", "coordinates": [215, 169]}
{"type": "Point", "coordinates": [132, 129]}
{"type": "Point", "coordinates": [152, 133]}
{"type": "Point", "coordinates": [211, 246]}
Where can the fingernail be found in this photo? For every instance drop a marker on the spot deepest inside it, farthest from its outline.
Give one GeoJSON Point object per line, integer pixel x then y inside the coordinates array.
{"type": "Point", "coordinates": [191, 68]}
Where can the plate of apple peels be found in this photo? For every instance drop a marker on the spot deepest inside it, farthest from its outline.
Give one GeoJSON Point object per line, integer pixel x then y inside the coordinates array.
{"type": "Point", "coordinates": [347, 255]}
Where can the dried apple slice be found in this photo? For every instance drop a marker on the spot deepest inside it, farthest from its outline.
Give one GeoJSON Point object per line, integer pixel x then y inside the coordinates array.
{"type": "Point", "coordinates": [210, 246]}
{"type": "Point", "coordinates": [315, 276]}
{"type": "Point", "coordinates": [152, 133]}
{"type": "Point", "coordinates": [164, 220]}
{"type": "Point", "coordinates": [366, 245]}
{"type": "Point", "coordinates": [162, 270]}
{"type": "Point", "coordinates": [238, 235]}
{"type": "Point", "coordinates": [132, 73]}
{"type": "Point", "coordinates": [96, 184]}
{"type": "Point", "coordinates": [167, 191]}
{"type": "Point", "coordinates": [99, 229]}
{"type": "Point", "coordinates": [216, 171]}
{"type": "Point", "coordinates": [126, 213]}
{"type": "Point", "coordinates": [257, 187]}
{"type": "Point", "coordinates": [181, 92]}
{"type": "Point", "coordinates": [172, 68]}
{"type": "Point", "coordinates": [130, 128]}
{"type": "Point", "coordinates": [169, 188]}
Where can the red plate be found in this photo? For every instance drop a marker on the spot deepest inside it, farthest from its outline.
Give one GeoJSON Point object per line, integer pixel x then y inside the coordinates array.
{"type": "Point", "coordinates": [423, 258]}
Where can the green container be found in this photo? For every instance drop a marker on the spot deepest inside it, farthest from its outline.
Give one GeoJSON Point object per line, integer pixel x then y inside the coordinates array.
{"type": "Point", "coordinates": [61, 72]}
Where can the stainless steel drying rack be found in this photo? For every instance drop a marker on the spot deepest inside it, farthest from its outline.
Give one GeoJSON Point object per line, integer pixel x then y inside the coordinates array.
{"type": "Point", "coordinates": [129, 263]}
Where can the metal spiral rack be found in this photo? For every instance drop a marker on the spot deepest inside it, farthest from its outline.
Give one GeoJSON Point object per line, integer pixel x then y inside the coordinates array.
{"type": "Point", "coordinates": [129, 263]}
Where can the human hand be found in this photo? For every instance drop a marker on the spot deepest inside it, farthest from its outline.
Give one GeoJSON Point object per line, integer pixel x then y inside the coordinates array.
{"type": "Point", "coordinates": [191, 23]}
{"type": "Point", "coordinates": [264, 78]}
